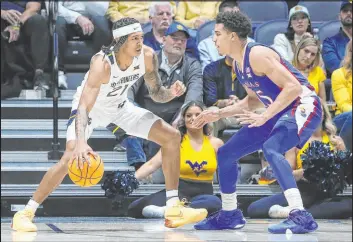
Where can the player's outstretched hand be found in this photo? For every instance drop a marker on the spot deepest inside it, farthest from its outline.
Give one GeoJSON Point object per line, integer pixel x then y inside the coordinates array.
{"type": "Point", "coordinates": [251, 118]}
{"type": "Point", "coordinates": [80, 154]}
{"type": "Point", "coordinates": [207, 116]}
{"type": "Point", "coordinates": [178, 88]}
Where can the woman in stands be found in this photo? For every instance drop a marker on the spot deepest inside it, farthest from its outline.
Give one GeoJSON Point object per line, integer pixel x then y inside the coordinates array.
{"type": "Point", "coordinates": [314, 200]}
{"type": "Point", "coordinates": [299, 25]}
{"type": "Point", "coordinates": [198, 166]}
{"type": "Point", "coordinates": [342, 93]}
{"type": "Point", "coordinates": [307, 56]}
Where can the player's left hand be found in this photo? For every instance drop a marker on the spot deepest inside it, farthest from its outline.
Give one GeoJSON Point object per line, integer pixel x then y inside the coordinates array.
{"type": "Point", "coordinates": [178, 88]}
{"type": "Point", "coordinates": [251, 118]}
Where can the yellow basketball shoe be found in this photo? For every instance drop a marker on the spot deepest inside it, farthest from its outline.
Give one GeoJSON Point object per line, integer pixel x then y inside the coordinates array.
{"type": "Point", "coordinates": [22, 221]}
{"type": "Point", "coordinates": [179, 215]}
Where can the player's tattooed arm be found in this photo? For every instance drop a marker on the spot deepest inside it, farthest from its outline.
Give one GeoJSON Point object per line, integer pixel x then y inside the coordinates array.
{"type": "Point", "coordinates": [157, 91]}
{"type": "Point", "coordinates": [153, 81]}
{"type": "Point", "coordinates": [99, 73]}
{"type": "Point", "coordinates": [81, 122]}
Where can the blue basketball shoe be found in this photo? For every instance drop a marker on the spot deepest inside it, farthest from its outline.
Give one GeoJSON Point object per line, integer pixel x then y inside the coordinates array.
{"type": "Point", "coordinates": [298, 222]}
{"type": "Point", "coordinates": [222, 220]}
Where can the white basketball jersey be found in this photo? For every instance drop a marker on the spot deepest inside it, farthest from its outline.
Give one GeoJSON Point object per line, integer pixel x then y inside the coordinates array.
{"type": "Point", "coordinates": [115, 91]}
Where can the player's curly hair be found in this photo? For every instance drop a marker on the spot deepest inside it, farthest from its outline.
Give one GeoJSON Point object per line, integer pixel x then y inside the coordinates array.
{"type": "Point", "coordinates": [235, 22]}
{"type": "Point", "coordinates": [116, 44]}
{"type": "Point", "coordinates": [181, 125]}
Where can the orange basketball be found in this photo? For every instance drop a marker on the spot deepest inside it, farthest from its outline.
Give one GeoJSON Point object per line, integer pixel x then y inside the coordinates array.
{"type": "Point", "coordinates": [89, 175]}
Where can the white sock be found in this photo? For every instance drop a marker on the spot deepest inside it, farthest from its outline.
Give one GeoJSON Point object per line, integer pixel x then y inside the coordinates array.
{"type": "Point", "coordinates": [172, 197]}
{"type": "Point", "coordinates": [33, 205]}
{"type": "Point", "coordinates": [229, 201]}
{"type": "Point", "coordinates": [294, 199]}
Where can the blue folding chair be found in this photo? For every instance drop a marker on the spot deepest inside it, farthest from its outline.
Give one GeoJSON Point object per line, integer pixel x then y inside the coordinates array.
{"type": "Point", "coordinates": [322, 11]}
{"type": "Point", "coordinates": [329, 29]}
{"type": "Point", "coordinates": [263, 11]}
{"type": "Point", "coordinates": [147, 27]}
{"type": "Point", "coordinates": [266, 32]}
{"type": "Point", "coordinates": [205, 31]}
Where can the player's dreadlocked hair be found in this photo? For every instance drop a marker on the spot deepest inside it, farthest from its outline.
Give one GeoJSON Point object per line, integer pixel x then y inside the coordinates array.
{"type": "Point", "coordinates": [116, 44]}
{"type": "Point", "coordinates": [235, 22]}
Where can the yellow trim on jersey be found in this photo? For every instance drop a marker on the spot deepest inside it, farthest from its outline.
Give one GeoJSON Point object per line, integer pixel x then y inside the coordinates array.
{"type": "Point", "coordinates": [117, 127]}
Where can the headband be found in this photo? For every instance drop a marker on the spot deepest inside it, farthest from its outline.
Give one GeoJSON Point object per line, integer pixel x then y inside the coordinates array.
{"type": "Point", "coordinates": [132, 28]}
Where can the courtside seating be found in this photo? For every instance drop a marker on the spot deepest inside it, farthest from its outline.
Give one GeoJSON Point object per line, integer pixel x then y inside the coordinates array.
{"type": "Point", "coordinates": [266, 32]}
{"type": "Point", "coordinates": [321, 11]}
{"type": "Point", "coordinates": [205, 31]}
{"type": "Point", "coordinates": [329, 29]}
{"type": "Point", "coordinates": [263, 11]}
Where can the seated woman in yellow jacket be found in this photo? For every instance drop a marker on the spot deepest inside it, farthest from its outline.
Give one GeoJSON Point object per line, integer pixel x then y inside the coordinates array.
{"type": "Point", "coordinates": [342, 93]}
{"type": "Point", "coordinates": [198, 165]}
{"type": "Point", "coordinates": [314, 200]}
{"type": "Point", "coordinates": [307, 59]}
{"type": "Point", "coordinates": [195, 13]}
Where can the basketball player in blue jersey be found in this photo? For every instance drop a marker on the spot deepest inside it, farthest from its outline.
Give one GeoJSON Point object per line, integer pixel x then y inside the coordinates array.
{"type": "Point", "coordinates": [293, 111]}
{"type": "Point", "coordinates": [102, 99]}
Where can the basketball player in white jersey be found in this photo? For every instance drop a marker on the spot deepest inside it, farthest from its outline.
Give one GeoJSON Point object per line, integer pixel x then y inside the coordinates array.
{"type": "Point", "coordinates": [102, 99]}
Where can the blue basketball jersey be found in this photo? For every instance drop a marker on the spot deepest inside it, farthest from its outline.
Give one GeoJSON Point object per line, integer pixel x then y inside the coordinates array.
{"type": "Point", "coordinates": [265, 89]}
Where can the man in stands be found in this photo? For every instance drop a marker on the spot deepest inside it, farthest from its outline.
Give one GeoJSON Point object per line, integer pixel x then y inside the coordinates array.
{"type": "Point", "coordinates": [21, 24]}
{"type": "Point", "coordinates": [83, 19]}
{"type": "Point", "coordinates": [334, 47]}
{"type": "Point", "coordinates": [161, 16]}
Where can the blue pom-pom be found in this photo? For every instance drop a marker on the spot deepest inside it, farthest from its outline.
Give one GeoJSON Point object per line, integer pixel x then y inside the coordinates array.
{"type": "Point", "coordinates": [328, 169]}
{"type": "Point", "coordinates": [119, 184]}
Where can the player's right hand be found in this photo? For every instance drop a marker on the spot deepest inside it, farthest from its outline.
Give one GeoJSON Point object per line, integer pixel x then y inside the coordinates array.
{"type": "Point", "coordinates": [207, 116]}
{"type": "Point", "coordinates": [80, 154]}
{"type": "Point", "coordinates": [178, 88]}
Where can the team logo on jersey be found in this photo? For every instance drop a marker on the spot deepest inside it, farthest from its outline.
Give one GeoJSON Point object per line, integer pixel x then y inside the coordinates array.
{"type": "Point", "coordinates": [196, 167]}
{"type": "Point", "coordinates": [302, 112]}
{"type": "Point", "coordinates": [136, 67]}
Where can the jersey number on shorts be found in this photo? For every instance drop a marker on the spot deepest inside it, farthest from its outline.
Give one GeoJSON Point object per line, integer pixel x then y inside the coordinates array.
{"type": "Point", "coordinates": [116, 91]}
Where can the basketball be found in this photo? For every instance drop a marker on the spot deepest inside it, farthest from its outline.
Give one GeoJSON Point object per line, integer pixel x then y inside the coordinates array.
{"type": "Point", "coordinates": [89, 175]}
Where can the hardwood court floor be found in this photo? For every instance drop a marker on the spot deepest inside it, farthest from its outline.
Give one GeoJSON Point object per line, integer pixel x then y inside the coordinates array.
{"type": "Point", "coordinates": [88, 229]}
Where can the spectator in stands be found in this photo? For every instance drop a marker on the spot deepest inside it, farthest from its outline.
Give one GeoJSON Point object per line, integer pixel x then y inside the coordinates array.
{"type": "Point", "coordinates": [307, 61]}
{"type": "Point", "coordinates": [174, 65]}
{"type": "Point", "coordinates": [314, 200]}
{"type": "Point", "coordinates": [342, 93]}
{"type": "Point", "coordinates": [161, 16]}
{"type": "Point", "coordinates": [221, 88]}
{"type": "Point", "coordinates": [299, 25]}
{"type": "Point", "coordinates": [195, 13]}
{"type": "Point", "coordinates": [207, 48]}
{"type": "Point", "coordinates": [83, 19]}
{"type": "Point", "coordinates": [138, 10]}
{"type": "Point", "coordinates": [334, 47]}
{"type": "Point", "coordinates": [24, 28]}
{"type": "Point", "coordinates": [198, 165]}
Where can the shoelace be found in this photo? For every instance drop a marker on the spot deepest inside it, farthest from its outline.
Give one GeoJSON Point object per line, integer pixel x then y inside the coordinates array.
{"type": "Point", "coordinates": [27, 214]}
{"type": "Point", "coordinates": [299, 217]}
